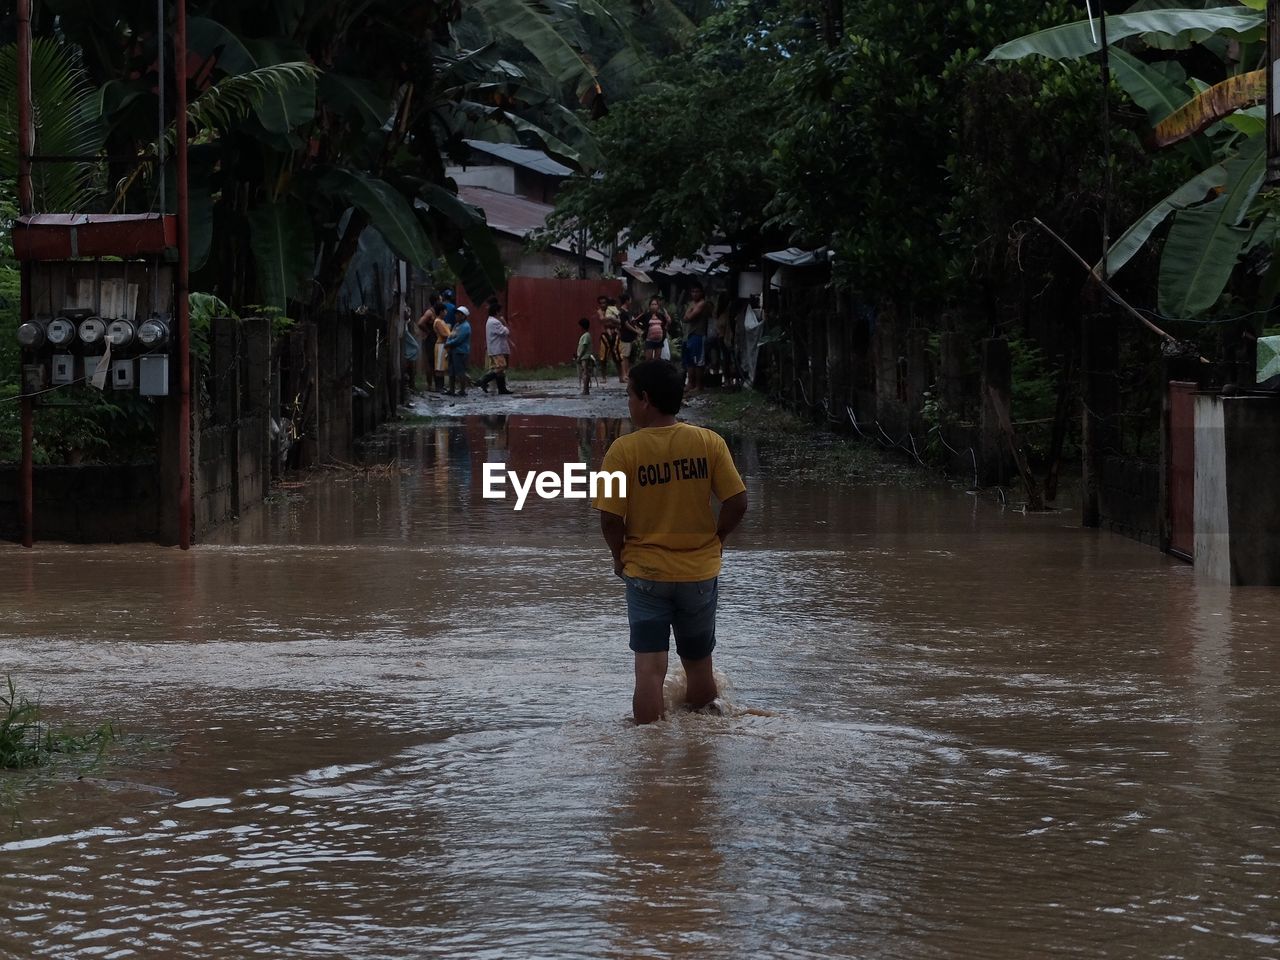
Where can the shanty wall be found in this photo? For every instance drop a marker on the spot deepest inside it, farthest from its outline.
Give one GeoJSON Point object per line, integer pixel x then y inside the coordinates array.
{"type": "Point", "coordinates": [543, 316]}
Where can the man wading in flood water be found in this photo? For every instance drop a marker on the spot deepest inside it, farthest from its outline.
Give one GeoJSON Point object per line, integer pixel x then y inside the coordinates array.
{"type": "Point", "coordinates": [665, 540]}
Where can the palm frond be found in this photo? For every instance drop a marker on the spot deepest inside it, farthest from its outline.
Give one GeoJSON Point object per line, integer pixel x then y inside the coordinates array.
{"type": "Point", "coordinates": [228, 102]}
{"type": "Point", "coordinates": [66, 123]}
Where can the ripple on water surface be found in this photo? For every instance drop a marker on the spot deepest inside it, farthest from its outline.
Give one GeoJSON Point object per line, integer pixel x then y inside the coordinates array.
{"type": "Point", "coordinates": [387, 719]}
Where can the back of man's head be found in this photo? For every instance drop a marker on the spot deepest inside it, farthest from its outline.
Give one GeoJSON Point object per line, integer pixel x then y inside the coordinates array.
{"type": "Point", "coordinates": [663, 383]}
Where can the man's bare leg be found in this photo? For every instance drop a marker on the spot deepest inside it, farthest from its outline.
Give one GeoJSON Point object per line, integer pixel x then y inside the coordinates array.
{"type": "Point", "coordinates": [651, 672]}
{"type": "Point", "coordinates": [701, 688]}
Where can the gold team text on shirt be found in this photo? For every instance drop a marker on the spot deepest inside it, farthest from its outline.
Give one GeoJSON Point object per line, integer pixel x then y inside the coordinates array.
{"type": "Point", "coordinates": [684, 468]}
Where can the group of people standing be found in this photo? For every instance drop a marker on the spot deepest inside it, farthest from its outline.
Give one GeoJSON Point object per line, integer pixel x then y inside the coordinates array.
{"type": "Point", "coordinates": [628, 337]}
{"type": "Point", "coordinates": [450, 326]}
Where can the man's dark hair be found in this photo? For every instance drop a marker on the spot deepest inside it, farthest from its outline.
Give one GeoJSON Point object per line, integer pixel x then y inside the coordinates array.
{"type": "Point", "coordinates": [625, 298]}
{"type": "Point", "coordinates": [494, 308]}
{"type": "Point", "coordinates": [584, 323]}
{"type": "Point", "coordinates": [662, 382]}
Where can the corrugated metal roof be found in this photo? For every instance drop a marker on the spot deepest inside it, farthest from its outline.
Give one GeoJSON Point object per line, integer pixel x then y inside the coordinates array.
{"type": "Point", "coordinates": [517, 216]}
{"type": "Point", "coordinates": [641, 257]}
{"type": "Point", "coordinates": [796, 257]}
{"type": "Point", "coordinates": [534, 160]}
{"type": "Point", "coordinates": [507, 212]}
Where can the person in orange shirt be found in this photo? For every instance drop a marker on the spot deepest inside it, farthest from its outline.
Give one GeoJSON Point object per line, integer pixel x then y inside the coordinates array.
{"type": "Point", "coordinates": [665, 540]}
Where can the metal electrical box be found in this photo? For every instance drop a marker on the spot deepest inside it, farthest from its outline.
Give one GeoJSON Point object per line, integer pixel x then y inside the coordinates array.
{"type": "Point", "coordinates": [33, 377]}
{"type": "Point", "coordinates": [122, 374]}
{"type": "Point", "coordinates": [91, 362]}
{"type": "Point", "coordinates": [153, 376]}
{"type": "Point", "coordinates": [64, 368]}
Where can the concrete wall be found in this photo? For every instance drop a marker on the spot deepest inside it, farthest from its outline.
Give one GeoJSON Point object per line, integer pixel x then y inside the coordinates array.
{"type": "Point", "coordinates": [497, 177]}
{"type": "Point", "coordinates": [1253, 496]}
{"type": "Point", "coordinates": [1237, 507]}
{"type": "Point", "coordinates": [542, 264]}
{"type": "Point", "coordinates": [1212, 538]}
{"type": "Point", "coordinates": [85, 504]}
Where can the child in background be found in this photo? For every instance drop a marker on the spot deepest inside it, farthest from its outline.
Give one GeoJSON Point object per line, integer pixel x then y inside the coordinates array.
{"type": "Point", "coordinates": [610, 345]}
{"type": "Point", "coordinates": [585, 356]}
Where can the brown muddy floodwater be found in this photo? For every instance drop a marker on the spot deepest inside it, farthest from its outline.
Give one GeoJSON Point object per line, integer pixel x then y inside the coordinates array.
{"type": "Point", "coordinates": [387, 718]}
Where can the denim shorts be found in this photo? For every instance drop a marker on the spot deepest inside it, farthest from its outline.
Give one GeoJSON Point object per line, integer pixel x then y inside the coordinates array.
{"type": "Point", "coordinates": [692, 354]}
{"type": "Point", "coordinates": [656, 607]}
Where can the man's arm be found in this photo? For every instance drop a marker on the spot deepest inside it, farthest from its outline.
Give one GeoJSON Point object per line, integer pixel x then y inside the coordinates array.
{"type": "Point", "coordinates": [731, 513]}
{"type": "Point", "coordinates": [614, 529]}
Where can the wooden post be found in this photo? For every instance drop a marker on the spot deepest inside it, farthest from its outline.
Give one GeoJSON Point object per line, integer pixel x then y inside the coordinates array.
{"type": "Point", "coordinates": [997, 394]}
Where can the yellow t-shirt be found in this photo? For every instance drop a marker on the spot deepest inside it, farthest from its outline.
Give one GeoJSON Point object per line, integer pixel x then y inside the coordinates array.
{"type": "Point", "coordinates": [671, 474]}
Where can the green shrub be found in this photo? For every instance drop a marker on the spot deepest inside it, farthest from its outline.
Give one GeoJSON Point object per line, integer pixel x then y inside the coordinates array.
{"type": "Point", "coordinates": [27, 741]}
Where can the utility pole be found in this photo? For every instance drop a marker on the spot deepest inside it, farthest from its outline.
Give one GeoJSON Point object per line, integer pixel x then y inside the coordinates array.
{"type": "Point", "coordinates": [1099, 342]}
{"type": "Point", "coordinates": [1273, 92]}
{"type": "Point", "coordinates": [26, 207]}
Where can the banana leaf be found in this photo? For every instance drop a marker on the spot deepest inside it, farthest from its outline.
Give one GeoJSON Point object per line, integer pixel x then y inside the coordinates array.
{"type": "Point", "coordinates": [1207, 108]}
{"type": "Point", "coordinates": [283, 248]}
{"type": "Point", "coordinates": [1131, 241]}
{"type": "Point", "coordinates": [1204, 242]}
{"type": "Point", "coordinates": [475, 231]}
{"type": "Point", "coordinates": [356, 96]}
{"type": "Point", "coordinates": [1150, 89]}
{"type": "Point", "coordinates": [388, 210]}
{"type": "Point", "coordinates": [546, 39]}
{"type": "Point", "coordinates": [1159, 91]}
{"type": "Point", "coordinates": [1073, 40]}
{"type": "Point", "coordinates": [211, 39]}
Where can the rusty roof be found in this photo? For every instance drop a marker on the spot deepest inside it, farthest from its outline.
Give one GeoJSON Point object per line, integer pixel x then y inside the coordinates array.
{"type": "Point", "coordinates": [516, 216]}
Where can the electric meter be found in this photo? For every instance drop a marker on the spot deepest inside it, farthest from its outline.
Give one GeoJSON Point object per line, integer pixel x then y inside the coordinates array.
{"type": "Point", "coordinates": [61, 331]}
{"type": "Point", "coordinates": [120, 333]}
{"type": "Point", "coordinates": [31, 335]}
{"type": "Point", "coordinates": [92, 330]}
{"type": "Point", "coordinates": [153, 333]}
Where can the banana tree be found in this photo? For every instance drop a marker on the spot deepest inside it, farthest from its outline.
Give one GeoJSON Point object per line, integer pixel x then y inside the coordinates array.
{"type": "Point", "coordinates": [313, 120]}
{"type": "Point", "coordinates": [1214, 216]}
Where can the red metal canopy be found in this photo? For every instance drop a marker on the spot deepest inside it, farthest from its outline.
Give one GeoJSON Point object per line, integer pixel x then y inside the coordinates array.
{"type": "Point", "coordinates": [66, 236]}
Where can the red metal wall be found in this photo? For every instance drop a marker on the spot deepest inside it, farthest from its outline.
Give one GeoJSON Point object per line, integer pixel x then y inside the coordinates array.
{"type": "Point", "coordinates": [543, 317]}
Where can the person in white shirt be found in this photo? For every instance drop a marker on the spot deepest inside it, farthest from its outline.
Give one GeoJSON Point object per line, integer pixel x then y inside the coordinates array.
{"type": "Point", "coordinates": [497, 349]}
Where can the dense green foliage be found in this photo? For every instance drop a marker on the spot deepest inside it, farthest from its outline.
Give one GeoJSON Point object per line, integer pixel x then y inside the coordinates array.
{"type": "Point", "coordinates": [310, 122]}
{"type": "Point", "coordinates": [879, 144]}
{"type": "Point", "coordinates": [891, 134]}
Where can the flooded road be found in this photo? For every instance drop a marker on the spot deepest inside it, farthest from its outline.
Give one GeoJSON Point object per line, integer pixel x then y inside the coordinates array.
{"type": "Point", "coordinates": [384, 717]}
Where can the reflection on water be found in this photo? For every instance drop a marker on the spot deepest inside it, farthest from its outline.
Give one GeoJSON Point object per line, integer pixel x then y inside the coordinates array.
{"type": "Point", "coordinates": [385, 717]}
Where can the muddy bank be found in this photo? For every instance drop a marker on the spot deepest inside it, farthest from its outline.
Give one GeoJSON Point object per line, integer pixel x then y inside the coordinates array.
{"type": "Point", "coordinates": [555, 398]}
